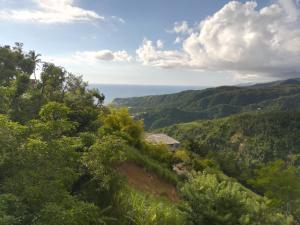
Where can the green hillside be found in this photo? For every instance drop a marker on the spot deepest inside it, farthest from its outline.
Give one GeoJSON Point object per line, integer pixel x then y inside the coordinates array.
{"type": "Point", "coordinates": [245, 140]}
{"type": "Point", "coordinates": [164, 110]}
{"type": "Point", "coordinates": [67, 159]}
{"type": "Point", "coordinates": [261, 150]}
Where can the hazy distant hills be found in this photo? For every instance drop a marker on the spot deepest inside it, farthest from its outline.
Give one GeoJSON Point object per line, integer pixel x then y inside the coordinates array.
{"type": "Point", "coordinates": [163, 110]}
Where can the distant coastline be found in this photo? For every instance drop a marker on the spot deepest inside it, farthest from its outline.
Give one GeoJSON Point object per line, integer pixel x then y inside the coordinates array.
{"type": "Point", "coordinates": [112, 91]}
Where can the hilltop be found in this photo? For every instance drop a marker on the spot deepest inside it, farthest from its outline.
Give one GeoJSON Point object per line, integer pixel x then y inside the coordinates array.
{"type": "Point", "coordinates": [164, 110]}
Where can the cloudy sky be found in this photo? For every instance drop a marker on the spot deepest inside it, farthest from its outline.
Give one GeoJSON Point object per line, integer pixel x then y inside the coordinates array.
{"type": "Point", "coordinates": [169, 42]}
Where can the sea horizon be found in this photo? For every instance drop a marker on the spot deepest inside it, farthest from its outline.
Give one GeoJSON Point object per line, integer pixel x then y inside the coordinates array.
{"type": "Point", "coordinates": [113, 91]}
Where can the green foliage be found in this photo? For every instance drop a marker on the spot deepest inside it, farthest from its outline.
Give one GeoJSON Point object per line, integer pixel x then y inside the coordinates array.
{"type": "Point", "coordinates": [11, 136]}
{"type": "Point", "coordinates": [22, 97]}
{"type": "Point", "coordinates": [71, 212]}
{"type": "Point", "coordinates": [84, 106]}
{"type": "Point", "coordinates": [52, 80]}
{"type": "Point", "coordinates": [165, 110]}
{"type": "Point", "coordinates": [140, 209]}
{"type": "Point", "coordinates": [161, 169]}
{"type": "Point", "coordinates": [59, 147]}
{"type": "Point", "coordinates": [211, 201]}
{"type": "Point", "coordinates": [182, 155]}
{"type": "Point", "coordinates": [241, 143]}
{"type": "Point", "coordinates": [54, 111]}
{"type": "Point", "coordinates": [12, 211]}
{"type": "Point", "coordinates": [102, 156]}
{"type": "Point", "coordinates": [12, 61]}
{"type": "Point", "coordinates": [119, 122]}
{"type": "Point", "coordinates": [159, 152]}
{"type": "Point", "coordinates": [203, 164]}
{"type": "Point", "coordinates": [281, 183]}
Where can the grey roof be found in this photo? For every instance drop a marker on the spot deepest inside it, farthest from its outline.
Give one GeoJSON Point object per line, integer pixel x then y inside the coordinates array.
{"type": "Point", "coordinates": [161, 139]}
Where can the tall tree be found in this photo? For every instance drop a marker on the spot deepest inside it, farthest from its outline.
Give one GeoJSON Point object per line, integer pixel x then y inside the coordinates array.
{"type": "Point", "coordinates": [36, 60]}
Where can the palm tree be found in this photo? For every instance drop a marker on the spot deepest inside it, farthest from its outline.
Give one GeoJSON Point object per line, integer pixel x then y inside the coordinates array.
{"type": "Point", "coordinates": [35, 58]}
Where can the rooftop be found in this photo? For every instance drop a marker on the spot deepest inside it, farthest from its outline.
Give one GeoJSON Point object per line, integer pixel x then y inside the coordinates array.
{"type": "Point", "coordinates": [161, 139]}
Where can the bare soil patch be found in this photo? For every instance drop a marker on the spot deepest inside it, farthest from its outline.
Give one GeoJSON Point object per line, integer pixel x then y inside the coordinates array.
{"type": "Point", "coordinates": [145, 181]}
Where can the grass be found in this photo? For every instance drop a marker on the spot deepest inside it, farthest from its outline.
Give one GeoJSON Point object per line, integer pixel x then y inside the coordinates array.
{"type": "Point", "coordinates": [160, 169]}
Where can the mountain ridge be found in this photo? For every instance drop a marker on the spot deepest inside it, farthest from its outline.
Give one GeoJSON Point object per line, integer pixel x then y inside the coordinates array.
{"type": "Point", "coordinates": [164, 110]}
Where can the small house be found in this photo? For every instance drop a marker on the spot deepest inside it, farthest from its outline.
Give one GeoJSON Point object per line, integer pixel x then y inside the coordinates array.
{"type": "Point", "coordinates": [162, 139]}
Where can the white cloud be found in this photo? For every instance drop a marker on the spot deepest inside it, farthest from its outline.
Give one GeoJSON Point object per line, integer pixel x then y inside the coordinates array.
{"type": "Point", "coordinates": [177, 40]}
{"type": "Point", "coordinates": [239, 38]}
{"type": "Point", "coordinates": [89, 58]}
{"type": "Point", "coordinates": [51, 11]}
{"type": "Point", "coordinates": [103, 55]}
{"type": "Point", "coordinates": [149, 54]}
{"type": "Point", "coordinates": [182, 27]}
{"type": "Point", "coordinates": [160, 44]}
{"type": "Point", "coordinates": [290, 7]}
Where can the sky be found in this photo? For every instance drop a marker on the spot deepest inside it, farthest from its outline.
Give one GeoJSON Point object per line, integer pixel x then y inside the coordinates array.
{"type": "Point", "coordinates": [169, 42]}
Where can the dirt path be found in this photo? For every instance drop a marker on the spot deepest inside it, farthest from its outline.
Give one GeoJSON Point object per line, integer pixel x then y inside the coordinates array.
{"type": "Point", "coordinates": [146, 181]}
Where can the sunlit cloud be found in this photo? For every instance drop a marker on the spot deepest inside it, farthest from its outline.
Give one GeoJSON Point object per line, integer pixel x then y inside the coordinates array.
{"type": "Point", "coordinates": [239, 38]}
{"type": "Point", "coordinates": [51, 11]}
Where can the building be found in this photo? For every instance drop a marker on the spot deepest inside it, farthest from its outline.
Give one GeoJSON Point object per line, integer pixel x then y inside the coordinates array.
{"type": "Point", "coordinates": [162, 139]}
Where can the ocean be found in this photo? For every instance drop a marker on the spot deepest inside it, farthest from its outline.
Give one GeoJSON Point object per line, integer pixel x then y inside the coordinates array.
{"type": "Point", "coordinates": [112, 91]}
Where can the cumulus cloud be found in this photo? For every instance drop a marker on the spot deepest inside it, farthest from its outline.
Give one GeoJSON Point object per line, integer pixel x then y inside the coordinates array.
{"type": "Point", "coordinates": [103, 55]}
{"type": "Point", "coordinates": [238, 38]}
{"type": "Point", "coordinates": [51, 11]}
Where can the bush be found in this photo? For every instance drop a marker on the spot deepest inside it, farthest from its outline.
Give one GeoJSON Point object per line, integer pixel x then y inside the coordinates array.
{"type": "Point", "coordinates": [162, 170]}
{"type": "Point", "coordinates": [141, 209]}
{"type": "Point", "coordinates": [181, 155]}
{"type": "Point", "coordinates": [223, 202]}
{"type": "Point", "coordinates": [159, 152]}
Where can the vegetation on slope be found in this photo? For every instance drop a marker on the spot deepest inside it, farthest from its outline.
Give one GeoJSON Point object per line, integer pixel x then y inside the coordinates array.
{"type": "Point", "coordinates": [262, 150]}
{"type": "Point", "coordinates": [59, 147]}
{"type": "Point", "coordinates": [164, 110]}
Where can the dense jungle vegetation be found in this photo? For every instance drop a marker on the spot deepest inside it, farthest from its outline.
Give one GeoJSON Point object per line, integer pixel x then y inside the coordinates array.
{"type": "Point", "coordinates": [261, 150]}
{"type": "Point", "coordinates": [60, 147]}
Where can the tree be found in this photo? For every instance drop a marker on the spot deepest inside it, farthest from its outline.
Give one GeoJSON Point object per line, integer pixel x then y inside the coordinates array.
{"type": "Point", "coordinates": [119, 122]}
{"type": "Point", "coordinates": [53, 79]}
{"type": "Point", "coordinates": [281, 183]}
{"type": "Point", "coordinates": [216, 202]}
{"type": "Point", "coordinates": [102, 156]}
{"type": "Point", "coordinates": [12, 211]}
{"type": "Point", "coordinates": [53, 123]}
{"type": "Point", "coordinates": [36, 60]}
{"type": "Point", "coordinates": [54, 111]}
{"type": "Point", "coordinates": [12, 136]}
{"type": "Point", "coordinates": [84, 108]}
{"type": "Point", "coordinates": [71, 212]}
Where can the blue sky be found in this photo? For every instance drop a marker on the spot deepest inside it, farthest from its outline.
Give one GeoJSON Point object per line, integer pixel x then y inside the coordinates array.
{"type": "Point", "coordinates": [133, 41]}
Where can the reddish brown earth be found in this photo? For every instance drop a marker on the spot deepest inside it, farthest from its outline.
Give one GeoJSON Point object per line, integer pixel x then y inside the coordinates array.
{"type": "Point", "coordinates": [146, 181]}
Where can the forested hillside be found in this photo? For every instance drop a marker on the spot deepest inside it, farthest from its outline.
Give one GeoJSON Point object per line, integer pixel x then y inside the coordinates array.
{"type": "Point", "coordinates": [261, 150]}
{"type": "Point", "coordinates": [165, 110]}
{"type": "Point", "coordinates": [61, 152]}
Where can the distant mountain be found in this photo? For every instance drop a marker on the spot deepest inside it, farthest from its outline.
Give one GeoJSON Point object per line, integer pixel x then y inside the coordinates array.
{"type": "Point", "coordinates": [276, 83]}
{"type": "Point", "coordinates": [164, 110]}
